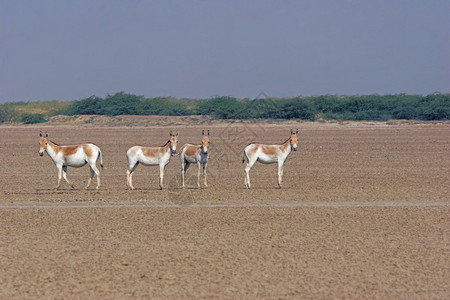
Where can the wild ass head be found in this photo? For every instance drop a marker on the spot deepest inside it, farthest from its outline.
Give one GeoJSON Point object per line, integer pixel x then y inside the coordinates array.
{"type": "Point", "coordinates": [43, 143]}
{"type": "Point", "coordinates": [173, 142]}
{"type": "Point", "coordinates": [205, 142]}
{"type": "Point", "coordinates": [294, 139]}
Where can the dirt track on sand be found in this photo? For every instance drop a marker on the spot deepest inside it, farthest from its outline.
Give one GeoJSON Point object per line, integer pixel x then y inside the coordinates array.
{"type": "Point", "coordinates": [363, 213]}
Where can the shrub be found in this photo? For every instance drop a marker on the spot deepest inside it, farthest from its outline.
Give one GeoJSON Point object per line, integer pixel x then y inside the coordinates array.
{"type": "Point", "coordinates": [406, 113]}
{"type": "Point", "coordinates": [88, 106]}
{"type": "Point", "coordinates": [297, 109]}
{"type": "Point", "coordinates": [7, 114]}
{"type": "Point", "coordinates": [222, 108]}
{"type": "Point", "coordinates": [32, 118]}
{"type": "Point", "coordinates": [436, 114]}
{"type": "Point", "coordinates": [258, 109]}
{"type": "Point", "coordinates": [366, 107]}
{"type": "Point", "coordinates": [121, 104]}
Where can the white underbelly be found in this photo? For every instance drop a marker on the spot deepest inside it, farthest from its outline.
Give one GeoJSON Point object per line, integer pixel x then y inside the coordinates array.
{"type": "Point", "coordinates": [202, 158]}
{"type": "Point", "coordinates": [267, 159]}
{"type": "Point", "coordinates": [190, 159]}
{"type": "Point", "coordinates": [75, 161]}
{"type": "Point", "coordinates": [148, 161]}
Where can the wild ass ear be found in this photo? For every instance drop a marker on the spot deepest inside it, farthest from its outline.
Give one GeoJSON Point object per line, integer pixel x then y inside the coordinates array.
{"type": "Point", "coordinates": [203, 132]}
{"type": "Point", "coordinates": [296, 132]}
{"type": "Point", "coordinates": [208, 132]}
{"type": "Point", "coordinates": [46, 134]}
{"type": "Point", "coordinates": [176, 134]}
{"type": "Point", "coordinates": [291, 131]}
{"type": "Point", "coordinates": [40, 134]}
{"type": "Point", "coordinates": [170, 133]}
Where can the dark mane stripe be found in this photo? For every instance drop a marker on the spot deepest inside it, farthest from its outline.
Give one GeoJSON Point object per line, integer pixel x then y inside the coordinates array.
{"type": "Point", "coordinates": [166, 143]}
{"type": "Point", "coordinates": [54, 143]}
{"type": "Point", "coordinates": [286, 141]}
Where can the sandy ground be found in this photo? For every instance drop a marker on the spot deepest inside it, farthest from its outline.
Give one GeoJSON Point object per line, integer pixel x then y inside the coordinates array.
{"type": "Point", "coordinates": [363, 213]}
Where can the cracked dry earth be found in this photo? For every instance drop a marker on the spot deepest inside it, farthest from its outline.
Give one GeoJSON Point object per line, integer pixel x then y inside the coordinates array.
{"type": "Point", "coordinates": [363, 213]}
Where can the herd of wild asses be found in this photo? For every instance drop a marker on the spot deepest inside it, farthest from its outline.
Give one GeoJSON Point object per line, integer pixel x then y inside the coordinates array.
{"type": "Point", "coordinates": [79, 155]}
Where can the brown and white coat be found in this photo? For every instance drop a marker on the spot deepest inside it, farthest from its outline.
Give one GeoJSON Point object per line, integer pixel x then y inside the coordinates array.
{"type": "Point", "coordinates": [268, 154]}
{"type": "Point", "coordinates": [72, 156]}
{"type": "Point", "coordinates": [195, 154]}
{"type": "Point", "coordinates": [151, 156]}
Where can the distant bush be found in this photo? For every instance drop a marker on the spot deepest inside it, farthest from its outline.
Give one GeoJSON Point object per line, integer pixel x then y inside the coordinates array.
{"type": "Point", "coordinates": [221, 108]}
{"type": "Point", "coordinates": [127, 104]}
{"type": "Point", "coordinates": [120, 104]}
{"type": "Point", "coordinates": [297, 109]}
{"type": "Point", "coordinates": [153, 106]}
{"type": "Point", "coordinates": [7, 113]}
{"type": "Point", "coordinates": [88, 106]}
{"type": "Point", "coordinates": [435, 107]}
{"type": "Point", "coordinates": [324, 107]}
{"type": "Point", "coordinates": [260, 109]}
{"type": "Point", "coordinates": [32, 118]}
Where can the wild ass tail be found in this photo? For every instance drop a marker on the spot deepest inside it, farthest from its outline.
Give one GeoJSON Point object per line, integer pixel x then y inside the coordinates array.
{"type": "Point", "coordinates": [101, 157]}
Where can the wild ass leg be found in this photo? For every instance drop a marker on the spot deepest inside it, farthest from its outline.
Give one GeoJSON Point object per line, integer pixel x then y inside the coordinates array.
{"type": "Point", "coordinates": [97, 172]}
{"type": "Point", "coordinates": [65, 176]}
{"type": "Point", "coordinates": [204, 173]}
{"type": "Point", "coordinates": [184, 167]}
{"type": "Point", "coordinates": [90, 178]}
{"type": "Point", "coordinates": [94, 171]}
{"type": "Point", "coordinates": [60, 171]}
{"type": "Point", "coordinates": [247, 176]}
{"type": "Point", "coordinates": [280, 173]}
{"type": "Point", "coordinates": [199, 165]}
{"type": "Point", "coordinates": [130, 176]}
{"type": "Point", "coordinates": [247, 172]}
{"type": "Point", "coordinates": [250, 164]}
{"type": "Point", "coordinates": [161, 175]}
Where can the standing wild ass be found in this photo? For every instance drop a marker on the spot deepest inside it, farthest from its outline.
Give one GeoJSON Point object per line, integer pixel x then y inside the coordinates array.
{"type": "Point", "coordinates": [151, 156]}
{"type": "Point", "coordinates": [268, 154]}
{"type": "Point", "coordinates": [72, 156]}
{"type": "Point", "coordinates": [190, 154]}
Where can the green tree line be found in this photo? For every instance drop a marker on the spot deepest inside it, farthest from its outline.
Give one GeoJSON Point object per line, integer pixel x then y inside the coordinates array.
{"type": "Point", "coordinates": [325, 107]}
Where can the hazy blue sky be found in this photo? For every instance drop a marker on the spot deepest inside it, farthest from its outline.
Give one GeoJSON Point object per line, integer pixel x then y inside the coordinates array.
{"type": "Point", "coordinates": [66, 50]}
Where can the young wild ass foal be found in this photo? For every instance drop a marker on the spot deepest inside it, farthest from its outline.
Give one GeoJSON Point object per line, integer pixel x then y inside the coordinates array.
{"type": "Point", "coordinates": [191, 154]}
{"type": "Point", "coordinates": [151, 156]}
{"type": "Point", "coordinates": [268, 154]}
{"type": "Point", "coordinates": [72, 156]}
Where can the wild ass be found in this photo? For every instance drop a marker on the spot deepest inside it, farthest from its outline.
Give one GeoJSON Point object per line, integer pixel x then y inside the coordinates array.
{"type": "Point", "coordinates": [191, 154]}
{"type": "Point", "coordinates": [268, 154]}
{"type": "Point", "coordinates": [72, 156]}
{"type": "Point", "coordinates": [151, 156]}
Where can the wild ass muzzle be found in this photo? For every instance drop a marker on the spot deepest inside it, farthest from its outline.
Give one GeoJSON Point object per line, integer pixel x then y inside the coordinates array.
{"type": "Point", "coordinates": [151, 156]}
{"type": "Point", "coordinates": [268, 154]}
{"type": "Point", "coordinates": [72, 156]}
{"type": "Point", "coordinates": [195, 154]}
